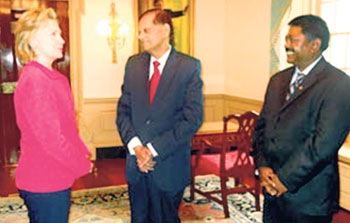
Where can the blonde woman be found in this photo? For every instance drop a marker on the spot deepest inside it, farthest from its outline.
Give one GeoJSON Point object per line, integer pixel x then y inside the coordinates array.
{"type": "Point", "coordinates": [52, 153]}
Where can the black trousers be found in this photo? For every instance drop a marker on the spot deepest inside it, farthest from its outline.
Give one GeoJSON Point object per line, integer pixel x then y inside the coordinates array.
{"type": "Point", "coordinates": [272, 213]}
{"type": "Point", "coordinates": [50, 207]}
{"type": "Point", "coordinates": [150, 204]}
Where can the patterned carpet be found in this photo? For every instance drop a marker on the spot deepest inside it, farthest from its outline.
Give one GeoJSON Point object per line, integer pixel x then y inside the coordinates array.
{"type": "Point", "coordinates": [110, 204]}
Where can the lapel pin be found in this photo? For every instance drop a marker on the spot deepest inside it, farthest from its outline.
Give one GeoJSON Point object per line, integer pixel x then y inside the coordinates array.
{"type": "Point", "coordinates": [300, 88]}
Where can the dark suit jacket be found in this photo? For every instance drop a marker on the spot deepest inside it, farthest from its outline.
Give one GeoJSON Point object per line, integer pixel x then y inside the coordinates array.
{"type": "Point", "coordinates": [300, 138]}
{"type": "Point", "coordinates": [169, 124]}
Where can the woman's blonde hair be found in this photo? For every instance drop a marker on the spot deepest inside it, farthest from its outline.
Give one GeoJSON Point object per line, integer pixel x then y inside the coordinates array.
{"type": "Point", "coordinates": [29, 23]}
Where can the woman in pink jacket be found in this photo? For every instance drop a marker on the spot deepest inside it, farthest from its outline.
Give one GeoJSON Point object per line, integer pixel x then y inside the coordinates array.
{"type": "Point", "coordinates": [52, 153]}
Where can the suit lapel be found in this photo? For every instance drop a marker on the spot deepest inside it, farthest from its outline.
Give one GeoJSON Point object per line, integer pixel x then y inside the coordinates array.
{"type": "Point", "coordinates": [141, 79]}
{"type": "Point", "coordinates": [285, 87]}
{"type": "Point", "coordinates": [312, 78]}
{"type": "Point", "coordinates": [166, 77]}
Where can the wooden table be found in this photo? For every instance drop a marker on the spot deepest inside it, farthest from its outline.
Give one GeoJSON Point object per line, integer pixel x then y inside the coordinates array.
{"type": "Point", "coordinates": [211, 131]}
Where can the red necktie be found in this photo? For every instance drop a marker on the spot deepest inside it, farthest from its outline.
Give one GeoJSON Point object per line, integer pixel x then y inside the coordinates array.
{"type": "Point", "coordinates": [154, 82]}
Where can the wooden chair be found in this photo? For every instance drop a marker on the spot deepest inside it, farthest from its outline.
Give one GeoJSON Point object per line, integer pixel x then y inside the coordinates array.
{"type": "Point", "coordinates": [229, 157]}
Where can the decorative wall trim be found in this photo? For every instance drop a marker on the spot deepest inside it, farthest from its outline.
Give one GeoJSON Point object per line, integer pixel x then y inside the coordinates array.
{"type": "Point", "coordinates": [218, 105]}
{"type": "Point", "coordinates": [97, 123]}
{"type": "Point", "coordinates": [97, 117]}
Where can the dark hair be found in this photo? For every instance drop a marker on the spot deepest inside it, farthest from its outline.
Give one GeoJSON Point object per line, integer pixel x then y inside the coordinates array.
{"type": "Point", "coordinates": [156, 1]}
{"type": "Point", "coordinates": [161, 17]}
{"type": "Point", "coordinates": [313, 27]}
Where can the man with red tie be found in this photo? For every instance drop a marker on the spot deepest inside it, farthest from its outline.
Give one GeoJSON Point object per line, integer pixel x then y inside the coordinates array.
{"type": "Point", "coordinates": [160, 109]}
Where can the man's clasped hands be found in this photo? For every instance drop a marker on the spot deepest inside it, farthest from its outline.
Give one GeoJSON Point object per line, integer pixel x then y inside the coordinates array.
{"type": "Point", "coordinates": [270, 181]}
{"type": "Point", "coordinates": [144, 158]}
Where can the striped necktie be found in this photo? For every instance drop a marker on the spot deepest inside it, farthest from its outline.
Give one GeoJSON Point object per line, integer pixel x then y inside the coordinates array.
{"type": "Point", "coordinates": [295, 85]}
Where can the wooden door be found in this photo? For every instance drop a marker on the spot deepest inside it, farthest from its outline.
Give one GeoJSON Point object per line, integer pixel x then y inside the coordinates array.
{"type": "Point", "coordinates": [10, 69]}
{"type": "Point", "coordinates": [61, 7]}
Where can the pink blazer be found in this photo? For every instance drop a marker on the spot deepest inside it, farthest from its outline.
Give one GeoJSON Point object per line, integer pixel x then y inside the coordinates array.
{"type": "Point", "coordinates": [52, 155]}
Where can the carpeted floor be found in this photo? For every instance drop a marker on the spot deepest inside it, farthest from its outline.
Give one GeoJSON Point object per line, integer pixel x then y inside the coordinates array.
{"type": "Point", "coordinates": [241, 206]}
{"type": "Point", "coordinates": [110, 204]}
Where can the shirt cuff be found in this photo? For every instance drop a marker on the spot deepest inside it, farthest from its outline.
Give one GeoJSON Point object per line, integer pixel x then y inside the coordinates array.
{"type": "Point", "coordinates": [151, 148]}
{"type": "Point", "coordinates": [135, 141]}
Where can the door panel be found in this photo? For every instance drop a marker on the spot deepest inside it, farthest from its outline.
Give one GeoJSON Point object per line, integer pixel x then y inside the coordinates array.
{"type": "Point", "coordinates": [9, 133]}
{"type": "Point", "coordinates": [61, 7]}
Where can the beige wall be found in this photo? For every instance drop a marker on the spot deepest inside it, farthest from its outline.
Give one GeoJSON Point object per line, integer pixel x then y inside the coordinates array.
{"type": "Point", "coordinates": [231, 38]}
{"type": "Point", "coordinates": [247, 56]}
{"type": "Point", "coordinates": [101, 78]}
{"type": "Point", "coordinates": [209, 43]}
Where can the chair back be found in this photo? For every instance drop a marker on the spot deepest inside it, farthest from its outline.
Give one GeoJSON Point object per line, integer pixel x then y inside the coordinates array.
{"type": "Point", "coordinates": [228, 155]}
{"type": "Point", "coordinates": [241, 139]}
{"type": "Point", "coordinates": [244, 131]}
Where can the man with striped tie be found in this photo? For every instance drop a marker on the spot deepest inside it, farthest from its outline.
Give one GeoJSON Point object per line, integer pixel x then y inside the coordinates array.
{"type": "Point", "coordinates": [303, 123]}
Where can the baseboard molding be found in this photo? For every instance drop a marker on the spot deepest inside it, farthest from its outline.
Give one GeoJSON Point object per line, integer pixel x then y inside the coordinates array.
{"type": "Point", "coordinates": [110, 152]}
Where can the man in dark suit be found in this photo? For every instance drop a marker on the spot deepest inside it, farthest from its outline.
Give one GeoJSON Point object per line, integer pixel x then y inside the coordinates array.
{"type": "Point", "coordinates": [157, 130]}
{"type": "Point", "coordinates": [304, 121]}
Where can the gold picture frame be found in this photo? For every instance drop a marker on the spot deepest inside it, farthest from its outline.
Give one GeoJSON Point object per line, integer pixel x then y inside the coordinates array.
{"type": "Point", "coordinates": [183, 20]}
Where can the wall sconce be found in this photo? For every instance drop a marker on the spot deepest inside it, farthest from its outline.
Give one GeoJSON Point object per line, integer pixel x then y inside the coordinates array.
{"type": "Point", "coordinates": [114, 30]}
